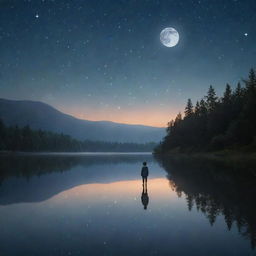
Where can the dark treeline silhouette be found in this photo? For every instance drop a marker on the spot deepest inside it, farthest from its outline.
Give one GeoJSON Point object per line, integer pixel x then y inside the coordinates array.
{"type": "Point", "coordinates": [216, 189]}
{"type": "Point", "coordinates": [216, 123]}
{"type": "Point", "coordinates": [28, 140]}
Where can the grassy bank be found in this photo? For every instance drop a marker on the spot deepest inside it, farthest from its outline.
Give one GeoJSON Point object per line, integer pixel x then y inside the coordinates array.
{"type": "Point", "coordinates": [235, 160]}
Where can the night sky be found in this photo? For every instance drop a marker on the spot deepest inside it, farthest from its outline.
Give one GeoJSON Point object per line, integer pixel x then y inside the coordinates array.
{"type": "Point", "coordinates": [103, 59]}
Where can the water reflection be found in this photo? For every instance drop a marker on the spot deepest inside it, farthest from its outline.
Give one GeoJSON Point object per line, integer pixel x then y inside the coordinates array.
{"type": "Point", "coordinates": [94, 205]}
{"type": "Point", "coordinates": [29, 165]}
{"type": "Point", "coordinates": [217, 189]}
{"type": "Point", "coordinates": [35, 178]}
{"type": "Point", "coordinates": [89, 219]}
{"type": "Point", "coordinates": [144, 195]}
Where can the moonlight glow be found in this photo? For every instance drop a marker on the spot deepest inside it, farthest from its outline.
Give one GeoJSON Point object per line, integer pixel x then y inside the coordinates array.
{"type": "Point", "coordinates": [169, 37]}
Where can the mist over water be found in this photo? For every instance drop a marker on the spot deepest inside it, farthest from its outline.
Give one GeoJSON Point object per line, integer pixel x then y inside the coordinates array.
{"type": "Point", "coordinates": [73, 204]}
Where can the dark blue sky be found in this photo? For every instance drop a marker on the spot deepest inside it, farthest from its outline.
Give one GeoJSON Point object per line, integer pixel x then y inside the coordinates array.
{"type": "Point", "coordinates": [103, 60]}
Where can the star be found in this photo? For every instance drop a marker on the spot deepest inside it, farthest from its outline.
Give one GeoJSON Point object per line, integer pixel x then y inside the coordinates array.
{"type": "Point", "coordinates": [37, 15]}
{"type": "Point", "coordinates": [245, 34]}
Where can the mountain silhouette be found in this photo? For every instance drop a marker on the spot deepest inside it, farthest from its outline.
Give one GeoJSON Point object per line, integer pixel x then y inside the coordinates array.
{"type": "Point", "coordinates": [39, 115]}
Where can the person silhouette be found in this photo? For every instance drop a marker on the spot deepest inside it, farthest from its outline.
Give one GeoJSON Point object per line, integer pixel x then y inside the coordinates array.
{"type": "Point", "coordinates": [144, 174]}
{"type": "Point", "coordinates": [144, 196]}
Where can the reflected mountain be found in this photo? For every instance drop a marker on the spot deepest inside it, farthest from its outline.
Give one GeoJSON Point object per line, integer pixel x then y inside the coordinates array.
{"type": "Point", "coordinates": [34, 178]}
{"type": "Point", "coordinates": [217, 188]}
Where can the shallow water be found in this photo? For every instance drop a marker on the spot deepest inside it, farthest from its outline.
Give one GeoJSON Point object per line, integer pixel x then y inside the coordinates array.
{"type": "Point", "coordinates": [73, 204]}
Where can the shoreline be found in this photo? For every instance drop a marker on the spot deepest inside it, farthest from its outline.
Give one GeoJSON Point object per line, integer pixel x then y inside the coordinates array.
{"type": "Point", "coordinates": [22, 153]}
{"type": "Point", "coordinates": [234, 161]}
{"type": "Point", "coordinates": [217, 155]}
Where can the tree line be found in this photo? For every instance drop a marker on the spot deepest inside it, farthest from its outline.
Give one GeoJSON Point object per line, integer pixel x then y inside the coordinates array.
{"type": "Point", "coordinates": [25, 139]}
{"type": "Point", "coordinates": [216, 123]}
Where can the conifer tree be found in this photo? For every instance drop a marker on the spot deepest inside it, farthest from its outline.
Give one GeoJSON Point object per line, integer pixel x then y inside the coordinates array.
{"type": "Point", "coordinates": [178, 119]}
{"type": "Point", "coordinates": [227, 95]}
{"type": "Point", "coordinates": [189, 109]}
{"type": "Point", "coordinates": [238, 91]}
{"type": "Point", "coordinates": [211, 99]}
{"type": "Point", "coordinates": [203, 107]}
{"type": "Point", "coordinates": [197, 109]}
{"type": "Point", "coordinates": [251, 82]}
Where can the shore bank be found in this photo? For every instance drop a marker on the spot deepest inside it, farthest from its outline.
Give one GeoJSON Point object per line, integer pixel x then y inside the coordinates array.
{"type": "Point", "coordinates": [230, 159]}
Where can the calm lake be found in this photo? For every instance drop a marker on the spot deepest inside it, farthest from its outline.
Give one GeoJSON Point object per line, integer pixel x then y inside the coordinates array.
{"type": "Point", "coordinates": [94, 204]}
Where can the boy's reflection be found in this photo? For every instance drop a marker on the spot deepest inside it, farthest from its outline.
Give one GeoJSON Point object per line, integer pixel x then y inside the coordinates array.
{"type": "Point", "coordinates": [144, 196]}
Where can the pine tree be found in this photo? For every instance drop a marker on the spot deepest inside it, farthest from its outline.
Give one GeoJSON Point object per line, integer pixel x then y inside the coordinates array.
{"type": "Point", "coordinates": [251, 82]}
{"type": "Point", "coordinates": [227, 95]}
{"type": "Point", "coordinates": [203, 107]}
{"type": "Point", "coordinates": [249, 108]}
{"type": "Point", "coordinates": [197, 109]}
{"type": "Point", "coordinates": [169, 126]}
{"type": "Point", "coordinates": [238, 91]}
{"type": "Point", "coordinates": [211, 99]}
{"type": "Point", "coordinates": [189, 109]}
{"type": "Point", "coordinates": [178, 119]}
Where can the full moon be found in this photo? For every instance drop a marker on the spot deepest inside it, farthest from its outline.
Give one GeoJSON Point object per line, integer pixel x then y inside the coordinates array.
{"type": "Point", "coordinates": [169, 37]}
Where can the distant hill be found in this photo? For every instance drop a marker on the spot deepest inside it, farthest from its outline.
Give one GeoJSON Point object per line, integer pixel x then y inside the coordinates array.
{"type": "Point", "coordinates": [39, 115]}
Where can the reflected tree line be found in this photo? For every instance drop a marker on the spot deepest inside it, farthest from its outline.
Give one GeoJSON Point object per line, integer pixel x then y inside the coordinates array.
{"type": "Point", "coordinates": [27, 166]}
{"type": "Point", "coordinates": [216, 189]}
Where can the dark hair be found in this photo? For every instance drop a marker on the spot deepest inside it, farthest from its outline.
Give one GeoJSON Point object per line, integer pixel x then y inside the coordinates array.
{"type": "Point", "coordinates": [144, 163]}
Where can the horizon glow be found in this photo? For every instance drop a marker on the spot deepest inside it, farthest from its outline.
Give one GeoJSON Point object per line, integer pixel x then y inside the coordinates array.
{"type": "Point", "coordinates": [96, 65]}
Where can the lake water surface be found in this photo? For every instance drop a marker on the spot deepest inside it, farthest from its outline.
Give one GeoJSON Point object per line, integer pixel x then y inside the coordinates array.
{"type": "Point", "coordinates": [86, 204]}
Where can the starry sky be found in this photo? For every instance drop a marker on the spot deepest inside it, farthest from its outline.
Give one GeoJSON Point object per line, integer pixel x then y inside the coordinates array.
{"type": "Point", "coordinates": [103, 59]}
